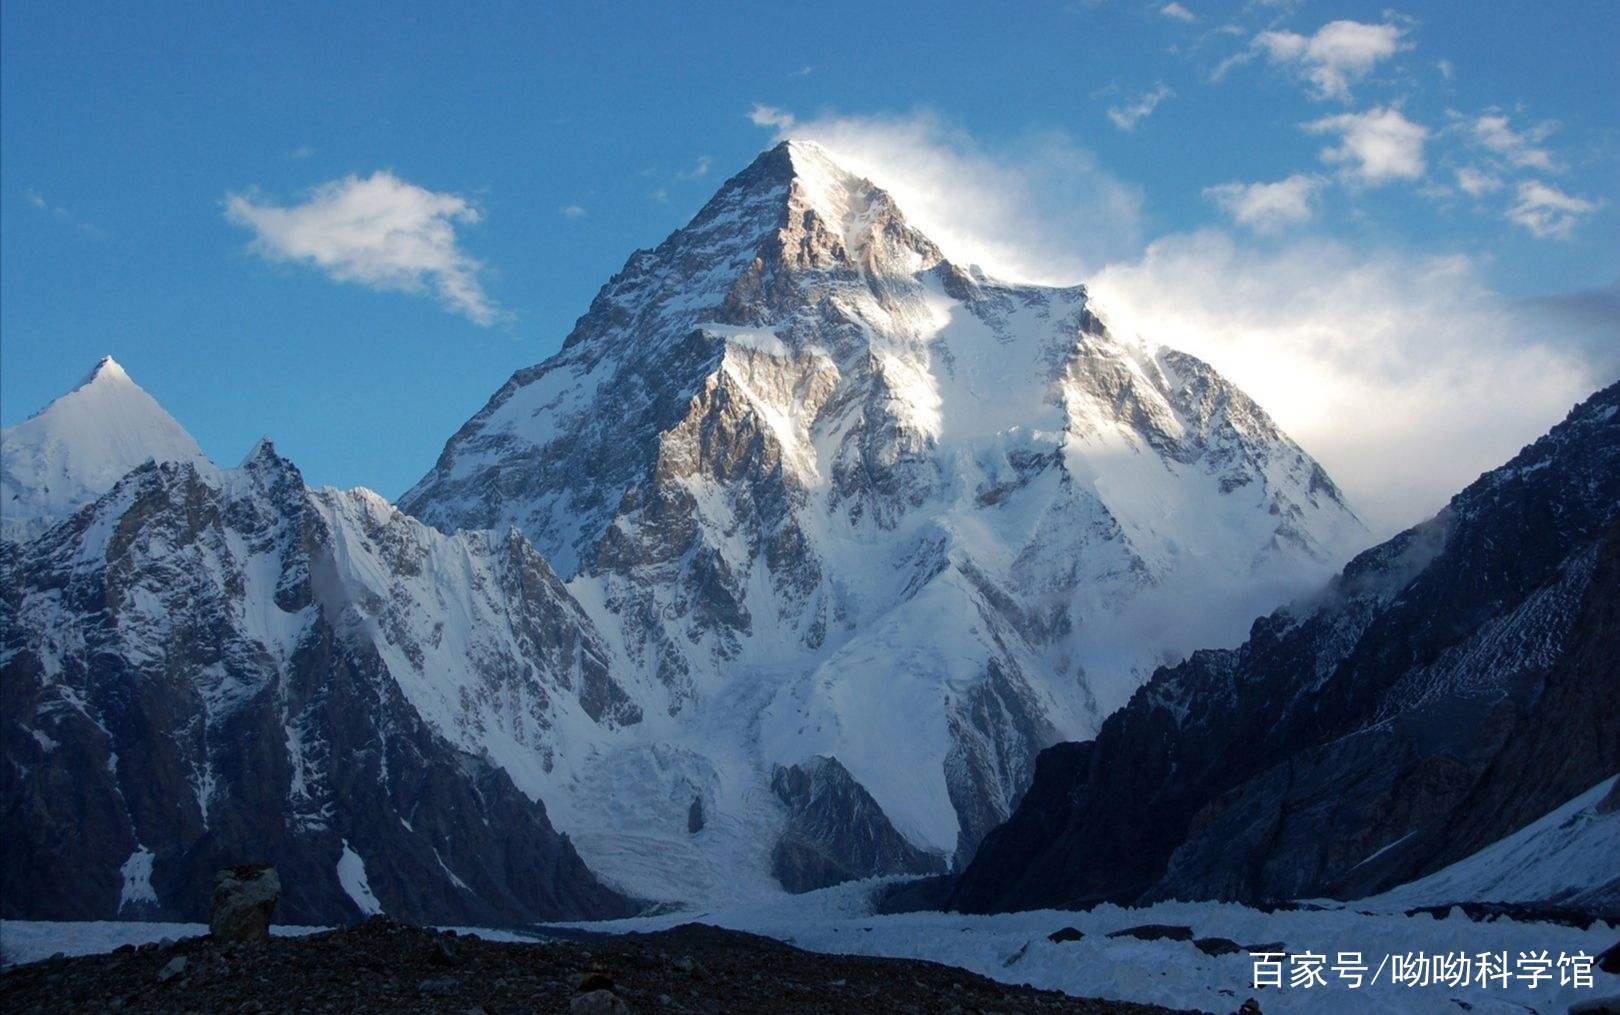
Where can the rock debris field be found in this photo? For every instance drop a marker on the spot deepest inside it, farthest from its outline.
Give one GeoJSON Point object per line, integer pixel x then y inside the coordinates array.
{"type": "Point", "coordinates": [384, 965]}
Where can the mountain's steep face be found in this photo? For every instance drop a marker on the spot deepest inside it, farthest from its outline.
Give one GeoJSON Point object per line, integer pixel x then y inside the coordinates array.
{"type": "Point", "coordinates": [205, 667]}
{"type": "Point", "coordinates": [1451, 686]}
{"type": "Point", "coordinates": [77, 447]}
{"type": "Point", "coordinates": [828, 495]}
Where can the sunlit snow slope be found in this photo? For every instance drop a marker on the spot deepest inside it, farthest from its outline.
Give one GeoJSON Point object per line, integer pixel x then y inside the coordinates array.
{"type": "Point", "coordinates": [826, 494]}
{"type": "Point", "coordinates": [77, 447]}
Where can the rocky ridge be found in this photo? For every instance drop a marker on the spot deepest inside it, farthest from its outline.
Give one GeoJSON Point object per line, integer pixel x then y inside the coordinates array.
{"type": "Point", "coordinates": [1449, 687]}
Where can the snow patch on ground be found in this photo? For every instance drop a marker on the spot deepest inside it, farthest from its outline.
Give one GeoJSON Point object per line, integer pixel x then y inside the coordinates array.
{"type": "Point", "coordinates": [137, 872]}
{"type": "Point", "coordinates": [1013, 948]}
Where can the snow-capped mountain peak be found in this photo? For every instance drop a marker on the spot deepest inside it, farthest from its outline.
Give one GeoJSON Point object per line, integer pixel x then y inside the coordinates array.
{"type": "Point", "coordinates": [76, 448]}
{"type": "Point", "coordinates": [835, 497]}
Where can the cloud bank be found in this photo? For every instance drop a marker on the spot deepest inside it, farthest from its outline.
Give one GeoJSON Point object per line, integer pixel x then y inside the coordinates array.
{"type": "Point", "coordinates": [378, 231]}
{"type": "Point", "coordinates": [1405, 376]}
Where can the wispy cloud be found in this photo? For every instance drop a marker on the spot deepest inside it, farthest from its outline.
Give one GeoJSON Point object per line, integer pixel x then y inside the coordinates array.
{"type": "Point", "coordinates": [1127, 115]}
{"type": "Point", "coordinates": [572, 211]}
{"type": "Point", "coordinates": [63, 214]}
{"type": "Point", "coordinates": [1547, 211]}
{"type": "Point", "coordinates": [1476, 182]}
{"type": "Point", "coordinates": [1268, 207]}
{"type": "Point", "coordinates": [1375, 147]}
{"type": "Point", "coordinates": [1338, 55]}
{"type": "Point", "coordinates": [1176, 12]}
{"type": "Point", "coordinates": [1521, 149]}
{"type": "Point", "coordinates": [770, 116]}
{"type": "Point", "coordinates": [699, 169]}
{"type": "Point", "coordinates": [377, 231]}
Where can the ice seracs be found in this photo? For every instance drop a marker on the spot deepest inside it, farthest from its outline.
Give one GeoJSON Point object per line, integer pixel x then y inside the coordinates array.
{"type": "Point", "coordinates": [77, 447]}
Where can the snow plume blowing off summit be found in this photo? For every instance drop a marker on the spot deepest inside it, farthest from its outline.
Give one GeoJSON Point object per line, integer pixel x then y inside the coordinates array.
{"type": "Point", "coordinates": [862, 531]}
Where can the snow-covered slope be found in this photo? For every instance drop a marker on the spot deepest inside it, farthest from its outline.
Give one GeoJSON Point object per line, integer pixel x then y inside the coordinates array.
{"type": "Point", "coordinates": [77, 447]}
{"type": "Point", "coordinates": [1570, 857]}
{"type": "Point", "coordinates": [826, 494]}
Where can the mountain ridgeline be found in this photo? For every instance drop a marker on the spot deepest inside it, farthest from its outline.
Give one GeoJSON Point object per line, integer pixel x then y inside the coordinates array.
{"type": "Point", "coordinates": [783, 572]}
{"type": "Point", "coordinates": [1449, 687]}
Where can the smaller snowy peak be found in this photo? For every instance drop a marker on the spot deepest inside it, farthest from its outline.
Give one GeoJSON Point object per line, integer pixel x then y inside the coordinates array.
{"type": "Point", "coordinates": [79, 446]}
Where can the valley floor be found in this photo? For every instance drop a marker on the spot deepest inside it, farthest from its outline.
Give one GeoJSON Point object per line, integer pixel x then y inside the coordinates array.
{"type": "Point", "coordinates": [1013, 949]}
{"type": "Point", "coordinates": [381, 965]}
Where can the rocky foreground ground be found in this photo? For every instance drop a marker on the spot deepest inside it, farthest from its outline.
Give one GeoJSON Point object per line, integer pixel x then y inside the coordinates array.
{"type": "Point", "coordinates": [382, 965]}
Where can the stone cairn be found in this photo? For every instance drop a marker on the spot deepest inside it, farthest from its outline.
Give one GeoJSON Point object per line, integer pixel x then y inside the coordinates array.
{"type": "Point", "coordinates": [244, 898]}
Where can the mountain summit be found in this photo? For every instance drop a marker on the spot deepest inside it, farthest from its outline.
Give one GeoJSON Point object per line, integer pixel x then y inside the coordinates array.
{"type": "Point", "coordinates": [77, 447]}
{"type": "Point", "coordinates": [833, 498]}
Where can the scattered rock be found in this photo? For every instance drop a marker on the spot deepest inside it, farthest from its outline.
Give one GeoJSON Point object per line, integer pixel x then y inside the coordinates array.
{"type": "Point", "coordinates": [1217, 946]}
{"type": "Point", "coordinates": [384, 965]}
{"type": "Point", "coordinates": [598, 1002]}
{"type": "Point", "coordinates": [444, 953]}
{"type": "Point", "coordinates": [1063, 934]}
{"type": "Point", "coordinates": [175, 967]}
{"type": "Point", "coordinates": [1249, 1007]}
{"type": "Point", "coordinates": [1268, 948]}
{"type": "Point", "coordinates": [694, 816]}
{"type": "Point", "coordinates": [1596, 1006]}
{"type": "Point", "coordinates": [443, 985]}
{"type": "Point", "coordinates": [1156, 932]}
{"type": "Point", "coordinates": [1609, 961]}
{"type": "Point", "coordinates": [1015, 957]}
{"type": "Point", "coordinates": [244, 899]}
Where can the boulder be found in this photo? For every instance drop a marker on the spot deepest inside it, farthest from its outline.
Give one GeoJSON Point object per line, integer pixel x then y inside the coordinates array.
{"type": "Point", "coordinates": [597, 1002]}
{"type": "Point", "coordinates": [244, 899]}
{"type": "Point", "coordinates": [1156, 932]}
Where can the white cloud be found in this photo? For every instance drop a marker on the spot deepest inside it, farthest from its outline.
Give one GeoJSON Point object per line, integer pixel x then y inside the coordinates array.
{"type": "Point", "coordinates": [572, 211]}
{"type": "Point", "coordinates": [380, 232]}
{"type": "Point", "coordinates": [1039, 209]}
{"type": "Point", "coordinates": [1128, 115]}
{"type": "Point", "coordinates": [770, 116]}
{"type": "Point", "coordinates": [1178, 13]}
{"type": "Point", "coordinates": [1267, 207]}
{"type": "Point", "coordinates": [1494, 132]}
{"type": "Point", "coordinates": [1547, 211]}
{"type": "Point", "coordinates": [1337, 56]}
{"type": "Point", "coordinates": [1477, 182]}
{"type": "Point", "coordinates": [1388, 368]}
{"type": "Point", "coordinates": [1374, 147]}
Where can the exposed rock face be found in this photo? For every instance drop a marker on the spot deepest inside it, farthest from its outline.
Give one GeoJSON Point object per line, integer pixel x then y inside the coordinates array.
{"type": "Point", "coordinates": [836, 832]}
{"type": "Point", "coordinates": [244, 900]}
{"type": "Point", "coordinates": [835, 496]}
{"type": "Point", "coordinates": [204, 666]}
{"type": "Point", "coordinates": [1450, 686]}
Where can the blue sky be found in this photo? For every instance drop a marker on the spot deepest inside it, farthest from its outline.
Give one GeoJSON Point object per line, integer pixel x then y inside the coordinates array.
{"type": "Point", "coordinates": [1429, 162]}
